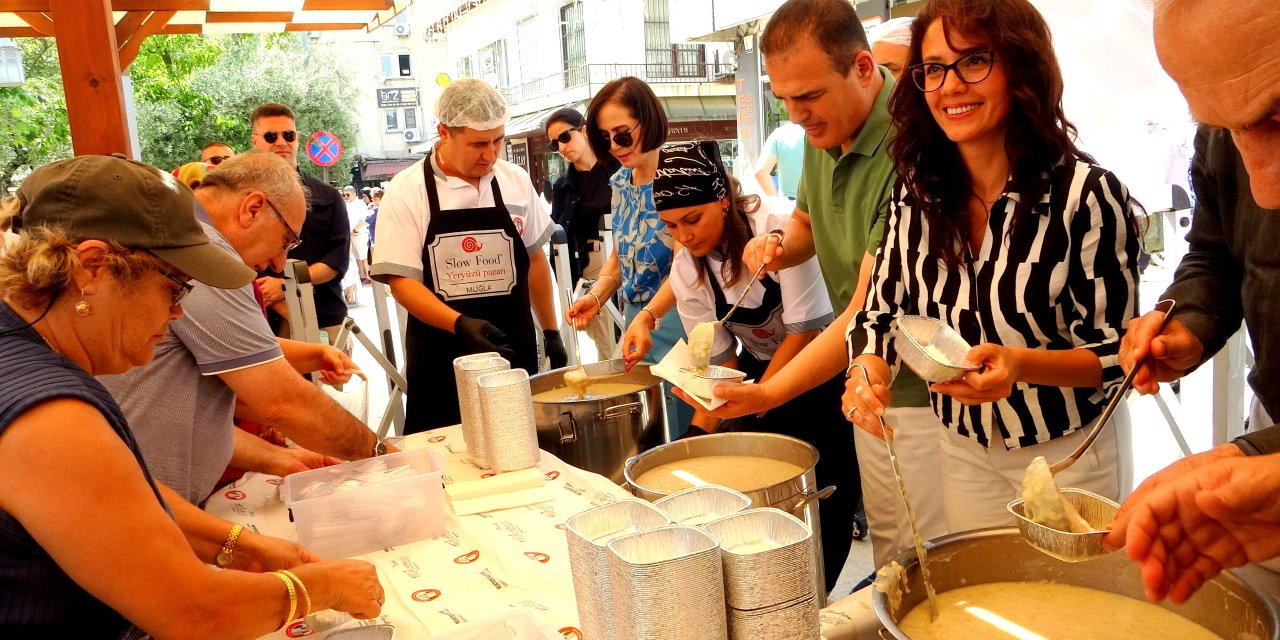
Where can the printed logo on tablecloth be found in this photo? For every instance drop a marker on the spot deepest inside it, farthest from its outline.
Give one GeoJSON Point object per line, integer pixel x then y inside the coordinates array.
{"type": "Point", "coordinates": [234, 494]}
{"type": "Point", "coordinates": [498, 583]}
{"type": "Point", "coordinates": [562, 526]}
{"type": "Point", "coordinates": [435, 439]}
{"type": "Point", "coordinates": [540, 557]}
{"type": "Point", "coordinates": [552, 475]}
{"type": "Point", "coordinates": [467, 558]}
{"type": "Point", "coordinates": [571, 633]}
{"type": "Point", "coordinates": [425, 595]}
{"type": "Point", "coordinates": [487, 475]}
{"type": "Point", "coordinates": [276, 481]}
{"type": "Point", "coordinates": [298, 629]}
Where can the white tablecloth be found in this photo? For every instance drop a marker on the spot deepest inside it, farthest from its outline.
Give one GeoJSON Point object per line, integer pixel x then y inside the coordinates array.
{"type": "Point", "coordinates": [486, 563]}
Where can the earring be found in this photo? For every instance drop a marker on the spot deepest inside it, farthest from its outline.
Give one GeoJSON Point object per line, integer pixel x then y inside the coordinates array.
{"type": "Point", "coordinates": [82, 307]}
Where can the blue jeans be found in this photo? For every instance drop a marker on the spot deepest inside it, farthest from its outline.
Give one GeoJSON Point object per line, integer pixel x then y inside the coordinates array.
{"type": "Point", "coordinates": [679, 413]}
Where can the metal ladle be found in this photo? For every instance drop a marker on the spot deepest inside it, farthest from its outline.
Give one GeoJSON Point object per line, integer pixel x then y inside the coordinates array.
{"type": "Point", "coordinates": [1166, 306]}
{"type": "Point", "coordinates": [702, 366]}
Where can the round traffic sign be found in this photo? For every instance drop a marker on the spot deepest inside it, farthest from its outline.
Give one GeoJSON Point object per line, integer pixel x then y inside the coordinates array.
{"type": "Point", "coordinates": [324, 149]}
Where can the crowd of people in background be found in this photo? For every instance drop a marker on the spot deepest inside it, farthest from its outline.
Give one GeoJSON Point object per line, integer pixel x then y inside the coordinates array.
{"type": "Point", "coordinates": [927, 168]}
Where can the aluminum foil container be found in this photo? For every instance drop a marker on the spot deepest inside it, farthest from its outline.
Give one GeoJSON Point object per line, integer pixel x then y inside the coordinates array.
{"type": "Point", "coordinates": [699, 505]}
{"type": "Point", "coordinates": [1063, 545]}
{"type": "Point", "coordinates": [667, 583]}
{"type": "Point", "coordinates": [589, 534]}
{"type": "Point", "coordinates": [767, 556]}
{"type": "Point", "coordinates": [932, 349]}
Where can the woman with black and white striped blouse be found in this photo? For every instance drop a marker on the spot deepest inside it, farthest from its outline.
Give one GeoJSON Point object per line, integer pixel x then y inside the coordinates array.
{"type": "Point", "coordinates": [1008, 233]}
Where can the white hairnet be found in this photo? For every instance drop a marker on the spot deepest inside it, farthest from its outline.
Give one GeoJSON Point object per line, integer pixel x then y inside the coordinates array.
{"type": "Point", "coordinates": [895, 31]}
{"type": "Point", "coordinates": [469, 102]}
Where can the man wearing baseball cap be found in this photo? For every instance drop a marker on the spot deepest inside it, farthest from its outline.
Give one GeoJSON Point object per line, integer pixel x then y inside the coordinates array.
{"type": "Point", "coordinates": [462, 250]}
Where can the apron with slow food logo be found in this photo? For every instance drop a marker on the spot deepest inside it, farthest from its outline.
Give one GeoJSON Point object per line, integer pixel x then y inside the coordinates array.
{"type": "Point", "coordinates": [760, 329]}
{"type": "Point", "coordinates": [475, 262]}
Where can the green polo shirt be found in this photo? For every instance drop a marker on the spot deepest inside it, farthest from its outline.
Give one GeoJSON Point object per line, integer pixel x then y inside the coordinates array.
{"type": "Point", "coordinates": [847, 199]}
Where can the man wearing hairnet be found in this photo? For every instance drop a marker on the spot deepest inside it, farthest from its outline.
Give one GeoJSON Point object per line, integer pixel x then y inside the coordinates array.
{"type": "Point", "coordinates": [891, 44]}
{"type": "Point", "coordinates": [460, 243]}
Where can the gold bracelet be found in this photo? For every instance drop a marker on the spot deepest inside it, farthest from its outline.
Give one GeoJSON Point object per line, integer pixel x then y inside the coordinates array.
{"type": "Point", "coordinates": [596, 298]}
{"type": "Point", "coordinates": [293, 598]}
{"type": "Point", "coordinates": [306, 597]}
{"type": "Point", "coordinates": [615, 280]}
{"type": "Point", "coordinates": [225, 556]}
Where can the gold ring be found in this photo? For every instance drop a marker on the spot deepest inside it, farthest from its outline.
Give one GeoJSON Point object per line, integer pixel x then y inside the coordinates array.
{"type": "Point", "coordinates": [849, 414]}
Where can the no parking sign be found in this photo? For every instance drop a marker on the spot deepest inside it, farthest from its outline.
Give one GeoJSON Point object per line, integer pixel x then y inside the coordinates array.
{"type": "Point", "coordinates": [324, 149]}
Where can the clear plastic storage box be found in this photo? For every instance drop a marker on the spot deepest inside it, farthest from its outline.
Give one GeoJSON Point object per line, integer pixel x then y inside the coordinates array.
{"type": "Point", "coordinates": [516, 624]}
{"type": "Point", "coordinates": [364, 505]}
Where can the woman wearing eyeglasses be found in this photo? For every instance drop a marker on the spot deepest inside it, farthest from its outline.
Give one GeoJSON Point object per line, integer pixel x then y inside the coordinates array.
{"type": "Point", "coordinates": [1006, 231]}
{"type": "Point", "coordinates": [626, 119]}
{"type": "Point", "coordinates": [581, 195]}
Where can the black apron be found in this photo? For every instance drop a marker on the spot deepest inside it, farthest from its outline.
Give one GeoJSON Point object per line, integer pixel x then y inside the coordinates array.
{"type": "Point", "coordinates": [814, 416]}
{"type": "Point", "coordinates": [475, 262]}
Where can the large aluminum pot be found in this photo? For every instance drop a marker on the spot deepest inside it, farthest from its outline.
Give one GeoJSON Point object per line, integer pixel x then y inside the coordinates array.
{"type": "Point", "coordinates": [1227, 605]}
{"type": "Point", "coordinates": [600, 434]}
{"type": "Point", "coordinates": [798, 495]}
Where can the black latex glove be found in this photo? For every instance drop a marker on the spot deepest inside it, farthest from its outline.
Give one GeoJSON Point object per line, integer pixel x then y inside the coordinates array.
{"type": "Point", "coordinates": [479, 336]}
{"type": "Point", "coordinates": [555, 348]}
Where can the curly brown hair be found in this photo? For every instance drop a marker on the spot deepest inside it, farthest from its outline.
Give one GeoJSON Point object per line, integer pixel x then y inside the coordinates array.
{"type": "Point", "coordinates": [38, 266]}
{"type": "Point", "coordinates": [1039, 134]}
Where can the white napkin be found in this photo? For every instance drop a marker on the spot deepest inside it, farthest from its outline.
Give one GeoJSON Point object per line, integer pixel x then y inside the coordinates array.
{"type": "Point", "coordinates": [502, 491]}
{"type": "Point", "coordinates": [670, 369]}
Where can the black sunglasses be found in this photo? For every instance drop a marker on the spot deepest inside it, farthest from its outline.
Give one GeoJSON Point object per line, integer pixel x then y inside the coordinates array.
{"type": "Point", "coordinates": [181, 293]}
{"type": "Point", "coordinates": [563, 138]}
{"type": "Point", "coordinates": [270, 136]}
{"type": "Point", "coordinates": [217, 160]}
{"type": "Point", "coordinates": [621, 138]}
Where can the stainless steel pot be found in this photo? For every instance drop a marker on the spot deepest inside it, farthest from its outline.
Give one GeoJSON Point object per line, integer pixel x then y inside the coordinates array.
{"type": "Point", "coordinates": [1228, 605]}
{"type": "Point", "coordinates": [798, 496]}
{"type": "Point", "coordinates": [600, 434]}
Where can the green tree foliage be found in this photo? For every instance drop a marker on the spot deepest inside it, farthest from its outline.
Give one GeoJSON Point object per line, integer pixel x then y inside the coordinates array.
{"type": "Point", "coordinates": [188, 90]}
{"type": "Point", "coordinates": [33, 117]}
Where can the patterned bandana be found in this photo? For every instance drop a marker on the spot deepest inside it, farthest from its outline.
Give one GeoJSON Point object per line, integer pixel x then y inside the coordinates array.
{"type": "Point", "coordinates": [689, 174]}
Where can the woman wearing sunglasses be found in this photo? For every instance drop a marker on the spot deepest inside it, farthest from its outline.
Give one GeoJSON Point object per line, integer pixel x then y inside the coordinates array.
{"type": "Point", "coordinates": [626, 119]}
{"type": "Point", "coordinates": [1006, 231]}
{"type": "Point", "coordinates": [581, 195]}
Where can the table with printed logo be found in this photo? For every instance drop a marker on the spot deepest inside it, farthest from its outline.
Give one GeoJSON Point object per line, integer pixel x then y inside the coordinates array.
{"type": "Point", "coordinates": [485, 564]}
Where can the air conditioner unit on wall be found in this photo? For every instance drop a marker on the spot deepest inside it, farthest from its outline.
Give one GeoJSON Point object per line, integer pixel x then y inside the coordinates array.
{"type": "Point", "coordinates": [401, 30]}
{"type": "Point", "coordinates": [412, 135]}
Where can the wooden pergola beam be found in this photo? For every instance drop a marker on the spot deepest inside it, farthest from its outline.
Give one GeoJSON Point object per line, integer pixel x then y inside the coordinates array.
{"type": "Point", "coordinates": [38, 21]}
{"type": "Point", "coordinates": [129, 24]}
{"type": "Point", "coordinates": [91, 76]}
{"type": "Point", "coordinates": [154, 23]}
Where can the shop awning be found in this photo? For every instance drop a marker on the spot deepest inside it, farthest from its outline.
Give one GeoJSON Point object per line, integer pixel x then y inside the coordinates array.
{"type": "Point", "coordinates": [386, 168]}
{"type": "Point", "coordinates": [530, 124]}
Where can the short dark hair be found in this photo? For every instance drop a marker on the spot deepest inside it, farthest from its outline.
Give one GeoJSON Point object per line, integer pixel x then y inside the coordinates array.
{"type": "Point", "coordinates": [833, 26]}
{"type": "Point", "coordinates": [271, 110]}
{"type": "Point", "coordinates": [215, 143]}
{"type": "Point", "coordinates": [567, 115]}
{"type": "Point", "coordinates": [635, 96]}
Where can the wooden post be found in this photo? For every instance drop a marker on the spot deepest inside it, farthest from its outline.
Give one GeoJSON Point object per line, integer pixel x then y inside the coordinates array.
{"type": "Point", "coordinates": [86, 36]}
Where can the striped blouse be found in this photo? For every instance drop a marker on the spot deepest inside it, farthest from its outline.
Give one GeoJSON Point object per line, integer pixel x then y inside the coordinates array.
{"type": "Point", "coordinates": [1067, 279]}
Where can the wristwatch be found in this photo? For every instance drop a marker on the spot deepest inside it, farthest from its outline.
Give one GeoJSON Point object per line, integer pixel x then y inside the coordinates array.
{"type": "Point", "coordinates": [379, 448]}
{"type": "Point", "coordinates": [657, 320]}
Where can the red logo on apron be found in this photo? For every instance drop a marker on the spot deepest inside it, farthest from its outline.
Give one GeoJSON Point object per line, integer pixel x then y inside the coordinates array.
{"type": "Point", "coordinates": [434, 439]}
{"type": "Point", "coordinates": [298, 629]}
{"type": "Point", "coordinates": [571, 633]}
{"type": "Point", "coordinates": [762, 333]}
{"type": "Point", "coordinates": [471, 245]}
{"type": "Point", "coordinates": [552, 475]}
{"type": "Point", "coordinates": [540, 557]}
{"type": "Point", "coordinates": [425, 595]}
{"type": "Point", "coordinates": [234, 494]}
{"type": "Point", "coordinates": [519, 222]}
{"type": "Point", "coordinates": [467, 558]}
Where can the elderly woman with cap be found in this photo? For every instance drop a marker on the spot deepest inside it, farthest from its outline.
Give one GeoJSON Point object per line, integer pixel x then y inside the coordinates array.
{"type": "Point", "coordinates": [105, 252]}
{"type": "Point", "coordinates": [706, 212]}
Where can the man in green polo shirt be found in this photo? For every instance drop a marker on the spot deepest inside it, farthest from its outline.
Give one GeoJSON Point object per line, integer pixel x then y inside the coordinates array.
{"type": "Point", "coordinates": [819, 63]}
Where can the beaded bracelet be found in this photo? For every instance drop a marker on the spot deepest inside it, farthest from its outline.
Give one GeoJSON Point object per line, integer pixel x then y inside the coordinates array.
{"type": "Point", "coordinates": [293, 598]}
{"type": "Point", "coordinates": [306, 596]}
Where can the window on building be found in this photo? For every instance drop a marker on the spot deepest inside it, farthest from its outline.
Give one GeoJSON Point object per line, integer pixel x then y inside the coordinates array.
{"type": "Point", "coordinates": [393, 119]}
{"type": "Point", "coordinates": [662, 58]}
{"type": "Point", "coordinates": [464, 67]}
{"type": "Point", "coordinates": [527, 41]}
{"type": "Point", "coordinates": [573, 44]}
{"type": "Point", "coordinates": [493, 64]}
{"type": "Point", "coordinates": [397, 65]}
{"type": "Point", "coordinates": [410, 117]}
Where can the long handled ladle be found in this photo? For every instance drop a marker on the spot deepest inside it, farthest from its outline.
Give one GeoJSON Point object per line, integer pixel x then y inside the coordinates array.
{"type": "Point", "coordinates": [702, 335]}
{"type": "Point", "coordinates": [1166, 306]}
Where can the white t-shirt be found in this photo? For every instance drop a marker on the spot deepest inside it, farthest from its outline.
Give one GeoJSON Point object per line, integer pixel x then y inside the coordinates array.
{"type": "Point", "coordinates": [405, 213]}
{"type": "Point", "coordinates": [805, 305]}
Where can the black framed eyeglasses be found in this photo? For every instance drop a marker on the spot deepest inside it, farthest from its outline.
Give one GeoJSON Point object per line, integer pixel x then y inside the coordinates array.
{"type": "Point", "coordinates": [217, 160]}
{"type": "Point", "coordinates": [184, 289]}
{"type": "Point", "coordinates": [270, 136]}
{"type": "Point", "coordinates": [293, 240]}
{"type": "Point", "coordinates": [622, 138]}
{"type": "Point", "coordinates": [563, 138]}
{"type": "Point", "coordinates": [971, 68]}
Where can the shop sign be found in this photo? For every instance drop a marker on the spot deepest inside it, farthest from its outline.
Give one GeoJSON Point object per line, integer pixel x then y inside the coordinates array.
{"type": "Point", "coordinates": [394, 97]}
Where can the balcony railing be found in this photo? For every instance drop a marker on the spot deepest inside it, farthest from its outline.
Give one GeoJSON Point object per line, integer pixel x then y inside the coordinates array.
{"type": "Point", "coordinates": [600, 74]}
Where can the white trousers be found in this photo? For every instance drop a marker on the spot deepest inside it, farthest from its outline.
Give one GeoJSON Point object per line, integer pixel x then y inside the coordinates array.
{"type": "Point", "coordinates": [916, 443]}
{"type": "Point", "coordinates": [980, 482]}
